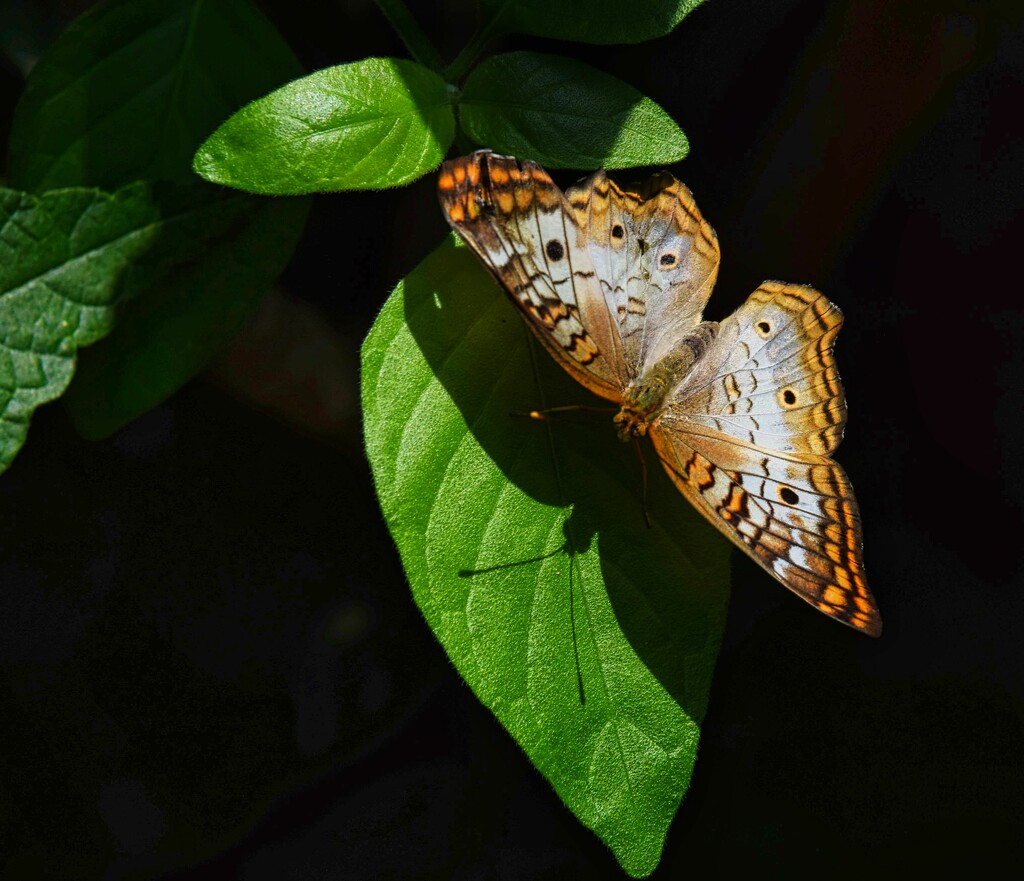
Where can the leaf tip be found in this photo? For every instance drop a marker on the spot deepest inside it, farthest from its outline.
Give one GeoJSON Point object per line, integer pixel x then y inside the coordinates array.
{"type": "Point", "coordinates": [208, 163]}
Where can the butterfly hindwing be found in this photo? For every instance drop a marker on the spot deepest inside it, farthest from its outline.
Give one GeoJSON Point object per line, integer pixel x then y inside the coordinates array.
{"type": "Point", "coordinates": [795, 516]}
{"type": "Point", "coordinates": [770, 376]}
{"type": "Point", "coordinates": [519, 224]}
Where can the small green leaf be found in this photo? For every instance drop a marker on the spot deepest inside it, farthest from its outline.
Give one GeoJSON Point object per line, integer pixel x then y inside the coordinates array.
{"type": "Point", "coordinates": [65, 260]}
{"type": "Point", "coordinates": [206, 272]}
{"type": "Point", "coordinates": [565, 114]}
{"type": "Point", "coordinates": [590, 21]}
{"type": "Point", "coordinates": [590, 637]}
{"type": "Point", "coordinates": [131, 88]}
{"type": "Point", "coordinates": [375, 123]}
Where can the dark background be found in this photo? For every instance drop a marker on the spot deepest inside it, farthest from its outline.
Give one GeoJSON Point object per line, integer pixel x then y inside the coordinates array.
{"type": "Point", "coordinates": [211, 663]}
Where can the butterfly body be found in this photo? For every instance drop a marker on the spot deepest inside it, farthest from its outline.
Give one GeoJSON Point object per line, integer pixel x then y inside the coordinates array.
{"type": "Point", "coordinates": [644, 398]}
{"type": "Point", "coordinates": [743, 414]}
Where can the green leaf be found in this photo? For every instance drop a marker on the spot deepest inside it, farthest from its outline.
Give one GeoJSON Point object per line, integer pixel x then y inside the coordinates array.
{"type": "Point", "coordinates": [131, 88]}
{"type": "Point", "coordinates": [590, 637]}
{"type": "Point", "coordinates": [375, 123]}
{"type": "Point", "coordinates": [590, 21]}
{"type": "Point", "coordinates": [224, 254]}
{"type": "Point", "coordinates": [65, 260]}
{"type": "Point", "coordinates": [565, 114]}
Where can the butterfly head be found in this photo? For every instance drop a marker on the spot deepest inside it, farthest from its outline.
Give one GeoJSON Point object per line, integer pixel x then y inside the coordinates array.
{"type": "Point", "coordinates": [630, 423]}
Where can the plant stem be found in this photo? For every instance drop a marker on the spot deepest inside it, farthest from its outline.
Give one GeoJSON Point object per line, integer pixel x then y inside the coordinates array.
{"type": "Point", "coordinates": [464, 60]}
{"type": "Point", "coordinates": [420, 48]}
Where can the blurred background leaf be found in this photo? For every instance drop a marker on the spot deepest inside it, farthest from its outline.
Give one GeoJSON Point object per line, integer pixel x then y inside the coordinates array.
{"type": "Point", "coordinates": [226, 253]}
{"type": "Point", "coordinates": [600, 21]}
{"type": "Point", "coordinates": [128, 91]}
{"type": "Point", "coordinates": [131, 87]}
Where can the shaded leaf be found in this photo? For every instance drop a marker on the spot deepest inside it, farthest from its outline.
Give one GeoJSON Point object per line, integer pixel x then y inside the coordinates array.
{"type": "Point", "coordinates": [565, 114]}
{"type": "Point", "coordinates": [589, 21]}
{"type": "Point", "coordinates": [591, 638]}
{"type": "Point", "coordinates": [375, 123]}
{"type": "Point", "coordinates": [225, 254]}
{"type": "Point", "coordinates": [65, 259]}
{"type": "Point", "coordinates": [131, 88]}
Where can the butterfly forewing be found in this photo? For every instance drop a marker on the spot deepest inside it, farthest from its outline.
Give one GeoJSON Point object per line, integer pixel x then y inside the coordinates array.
{"type": "Point", "coordinates": [519, 224]}
{"type": "Point", "coordinates": [656, 257]}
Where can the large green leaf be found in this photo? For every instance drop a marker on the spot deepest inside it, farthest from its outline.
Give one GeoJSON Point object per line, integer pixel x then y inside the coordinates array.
{"type": "Point", "coordinates": [591, 637]}
{"type": "Point", "coordinates": [129, 90]}
{"type": "Point", "coordinates": [65, 259]}
{"type": "Point", "coordinates": [566, 114]}
{"type": "Point", "coordinates": [375, 123]}
{"type": "Point", "coordinates": [589, 21]}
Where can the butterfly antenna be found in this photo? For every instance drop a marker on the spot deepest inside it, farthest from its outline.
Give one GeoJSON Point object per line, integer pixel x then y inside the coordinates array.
{"type": "Point", "coordinates": [545, 415]}
{"type": "Point", "coordinates": [643, 480]}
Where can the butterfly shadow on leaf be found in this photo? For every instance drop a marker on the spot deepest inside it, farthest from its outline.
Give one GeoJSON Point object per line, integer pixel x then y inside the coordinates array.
{"type": "Point", "coordinates": [658, 592]}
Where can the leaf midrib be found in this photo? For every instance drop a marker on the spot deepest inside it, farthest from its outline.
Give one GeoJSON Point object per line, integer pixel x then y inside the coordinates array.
{"type": "Point", "coordinates": [359, 123]}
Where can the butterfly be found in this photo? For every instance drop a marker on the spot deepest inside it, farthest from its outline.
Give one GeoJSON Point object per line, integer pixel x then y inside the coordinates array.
{"type": "Point", "coordinates": [744, 414]}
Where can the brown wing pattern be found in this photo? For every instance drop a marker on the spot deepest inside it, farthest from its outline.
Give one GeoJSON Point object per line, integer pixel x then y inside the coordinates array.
{"type": "Point", "coordinates": [519, 224]}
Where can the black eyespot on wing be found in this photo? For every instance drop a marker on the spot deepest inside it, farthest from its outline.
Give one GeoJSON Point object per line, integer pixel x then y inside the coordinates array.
{"type": "Point", "coordinates": [617, 231]}
{"type": "Point", "coordinates": [554, 250]}
{"type": "Point", "coordinates": [668, 259]}
{"type": "Point", "coordinates": [764, 328]}
{"type": "Point", "coordinates": [788, 496]}
{"type": "Point", "coordinates": [788, 396]}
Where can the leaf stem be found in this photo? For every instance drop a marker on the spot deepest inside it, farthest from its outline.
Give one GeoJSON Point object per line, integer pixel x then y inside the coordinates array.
{"type": "Point", "coordinates": [487, 32]}
{"type": "Point", "coordinates": [420, 48]}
